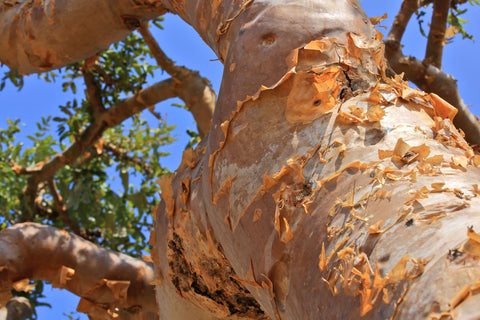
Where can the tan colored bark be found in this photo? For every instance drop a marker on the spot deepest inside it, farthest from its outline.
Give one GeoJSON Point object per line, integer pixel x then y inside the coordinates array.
{"type": "Point", "coordinates": [342, 209]}
{"type": "Point", "coordinates": [325, 190]}
{"type": "Point", "coordinates": [109, 283]}
{"type": "Point", "coordinates": [429, 76]}
{"type": "Point", "coordinates": [36, 36]}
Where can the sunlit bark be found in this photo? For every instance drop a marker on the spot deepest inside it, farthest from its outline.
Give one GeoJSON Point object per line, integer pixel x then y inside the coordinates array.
{"type": "Point", "coordinates": [325, 190]}
{"type": "Point", "coordinates": [333, 191]}
{"type": "Point", "coordinates": [110, 284]}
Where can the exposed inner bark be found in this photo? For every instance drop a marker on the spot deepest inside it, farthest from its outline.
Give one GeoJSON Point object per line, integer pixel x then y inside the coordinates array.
{"type": "Point", "coordinates": [338, 202]}
{"type": "Point", "coordinates": [325, 190]}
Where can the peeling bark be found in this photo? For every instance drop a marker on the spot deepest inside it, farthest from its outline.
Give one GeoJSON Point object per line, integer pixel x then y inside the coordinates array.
{"type": "Point", "coordinates": [37, 36]}
{"type": "Point", "coordinates": [428, 75]}
{"type": "Point", "coordinates": [325, 189]}
{"type": "Point", "coordinates": [343, 210]}
{"type": "Point", "coordinates": [108, 282]}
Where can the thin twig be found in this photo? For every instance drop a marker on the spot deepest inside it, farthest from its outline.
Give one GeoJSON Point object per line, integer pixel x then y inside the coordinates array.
{"type": "Point", "coordinates": [93, 91]}
{"type": "Point", "coordinates": [61, 207]}
{"type": "Point", "coordinates": [122, 154]}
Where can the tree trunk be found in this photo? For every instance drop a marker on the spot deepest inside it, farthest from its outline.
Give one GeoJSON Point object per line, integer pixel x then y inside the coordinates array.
{"type": "Point", "coordinates": [331, 191]}
{"type": "Point", "coordinates": [325, 190]}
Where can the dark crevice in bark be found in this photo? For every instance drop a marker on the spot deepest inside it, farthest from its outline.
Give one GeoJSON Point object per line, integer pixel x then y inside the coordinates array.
{"type": "Point", "coordinates": [186, 279]}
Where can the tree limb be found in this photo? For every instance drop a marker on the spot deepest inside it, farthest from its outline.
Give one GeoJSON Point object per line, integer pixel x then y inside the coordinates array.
{"type": "Point", "coordinates": [436, 36]}
{"type": "Point", "coordinates": [193, 89]}
{"type": "Point", "coordinates": [431, 79]}
{"type": "Point", "coordinates": [401, 20]}
{"type": "Point", "coordinates": [37, 36]}
{"type": "Point", "coordinates": [108, 282]}
{"type": "Point", "coordinates": [111, 117]}
{"type": "Point", "coordinates": [428, 77]}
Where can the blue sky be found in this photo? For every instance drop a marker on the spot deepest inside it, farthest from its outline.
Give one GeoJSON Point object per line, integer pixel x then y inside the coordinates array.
{"type": "Point", "coordinates": [182, 44]}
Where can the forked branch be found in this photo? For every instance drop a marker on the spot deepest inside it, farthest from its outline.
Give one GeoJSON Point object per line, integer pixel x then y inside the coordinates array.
{"type": "Point", "coordinates": [102, 121]}
{"type": "Point", "coordinates": [427, 76]}
{"type": "Point", "coordinates": [192, 88]}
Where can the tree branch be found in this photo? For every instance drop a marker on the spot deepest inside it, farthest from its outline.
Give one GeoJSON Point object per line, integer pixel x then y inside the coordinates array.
{"type": "Point", "coordinates": [122, 154]}
{"type": "Point", "coordinates": [108, 282]}
{"type": "Point", "coordinates": [62, 208]}
{"type": "Point", "coordinates": [401, 20]}
{"type": "Point", "coordinates": [431, 79]}
{"type": "Point", "coordinates": [193, 89]}
{"type": "Point", "coordinates": [436, 36]}
{"type": "Point", "coordinates": [111, 117]}
{"type": "Point", "coordinates": [93, 91]}
{"type": "Point", "coordinates": [428, 78]}
{"type": "Point", "coordinates": [44, 35]}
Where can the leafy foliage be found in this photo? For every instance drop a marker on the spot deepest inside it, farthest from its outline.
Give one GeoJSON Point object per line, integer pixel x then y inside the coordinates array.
{"type": "Point", "coordinates": [455, 23]}
{"type": "Point", "coordinates": [109, 190]}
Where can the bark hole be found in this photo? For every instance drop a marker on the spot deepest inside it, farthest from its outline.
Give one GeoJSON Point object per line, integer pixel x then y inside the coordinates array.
{"type": "Point", "coordinates": [374, 136]}
{"type": "Point", "coordinates": [269, 39]}
{"type": "Point", "coordinates": [131, 22]}
{"type": "Point", "coordinates": [214, 279]}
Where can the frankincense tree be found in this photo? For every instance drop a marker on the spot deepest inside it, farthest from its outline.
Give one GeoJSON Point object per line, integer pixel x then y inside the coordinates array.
{"type": "Point", "coordinates": [322, 186]}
